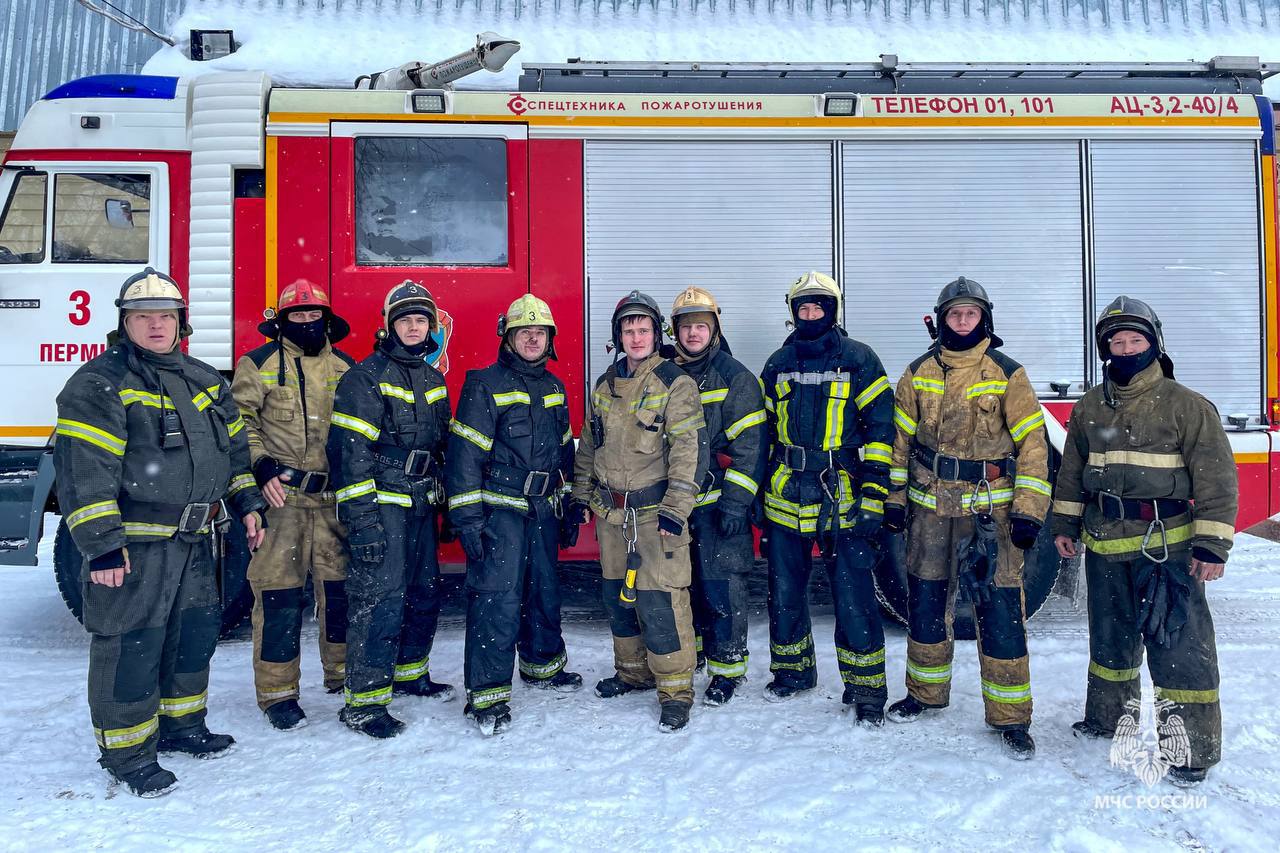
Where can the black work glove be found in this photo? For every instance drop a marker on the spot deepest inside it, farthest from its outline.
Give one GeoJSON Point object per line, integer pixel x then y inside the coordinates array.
{"type": "Point", "coordinates": [472, 543]}
{"type": "Point", "coordinates": [895, 518]}
{"type": "Point", "coordinates": [110, 560]}
{"type": "Point", "coordinates": [1023, 532]}
{"type": "Point", "coordinates": [670, 523]}
{"type": "Point", "coordinates": [368, 544]}
{"type": "Point", "coordinates": [976, 570]}
{"type": "Point", "coordinates": [732, 524]}
{"type": "Point", "coordinates": [264, 469]}
{"type": "Point", "coordinates": [575, 515]}
{"type": "Point", "coordinates": [448, 533]}
{"type": "Point", "coordinates": [866, 521]}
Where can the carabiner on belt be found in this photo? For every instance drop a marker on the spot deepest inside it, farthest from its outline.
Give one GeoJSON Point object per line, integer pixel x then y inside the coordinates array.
{"type": "Point", "coordinates": [981, 488]}
{"type": "Point", "coordinates": [1157, 524]}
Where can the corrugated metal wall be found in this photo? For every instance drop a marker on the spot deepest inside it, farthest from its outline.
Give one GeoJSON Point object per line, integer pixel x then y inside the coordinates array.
{"type": "Point", "coordinates": [46, 42]}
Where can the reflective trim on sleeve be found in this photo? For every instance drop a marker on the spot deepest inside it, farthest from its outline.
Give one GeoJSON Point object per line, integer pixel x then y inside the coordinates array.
{"type": "Point", "coordinates": [181, 706]}
{"type": "Point", "coordinates": [1075, 509]}
{"type": "Point", "coordinates": [567, 437]}
{"type": "Point", "coordinates": [400, 393]}
{"type": "Point", "coordinates": [875, 389]}
{"type": "Point", "coordinates": [707, 498]}
{"type": "Point", "coordinates": [737, 427]}
{"type": "Point", "coordinates": [877, 451]}
{"type": "Point", "coordinates": [233, 428]}
{"type": "Point", "coordinates": [600, 401]}
{"type": "Point", "coordinates": [693, 422]}
{"type": "Point", "coordinates": [1119, 676]}
{"type": "Point", "coordinates": [898, 476]}
{"type": "Point", "coordinates": [355, 490]}
{"type": "Point", "coordinates": [89, 512]}
{"type": "Point", "coordinates": [995, 386]}
{"type": "Point", "coordinates": [464, 499]}
{"type": "Point", "coordinates": [355, 424]}
{"type": "Point", "coordinates": [91, 435]}
{"type": "Point", "coordinates": [1034, 484]}
{"type": "Point", "coordinates": [741, 480]}
{"type": "Point", "coordinates": [715, 395]}
{"type": "Point", "coordinates": [508, 398]}
{"type": "Point", "coordinates": [876, 487]}
{"type": "Point", "coordinates": [550, 400]}
{"type": "Point", "coordinates": [436, 394]}
{"type": "Point", "coordinates": [1137, 458]}
{"type": "Point", "coordinates": [240, 482]}
{"type": "Point", "coordinates": [474, 436]}
{"type": "Point", "coordinates": [202, 401]}
{"type": "Point", "coordinates": [904, 421]}
{"type": "Point", "coordinates": [1024, 427]}
{"type": "Point", "coordinates": [1205, 527]}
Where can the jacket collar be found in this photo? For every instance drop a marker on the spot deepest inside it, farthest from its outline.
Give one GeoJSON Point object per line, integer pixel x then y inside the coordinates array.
{"type": "Point", "coordinates": [965, 358]}
{"type": "Point", "coordinates": [1146, 379]}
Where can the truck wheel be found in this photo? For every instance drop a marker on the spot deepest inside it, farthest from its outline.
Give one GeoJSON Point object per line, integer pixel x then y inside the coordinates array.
{"type": "Point", "coordinates": [233, 582]}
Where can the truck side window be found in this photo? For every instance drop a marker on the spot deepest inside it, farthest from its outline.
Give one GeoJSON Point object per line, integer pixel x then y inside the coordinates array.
{"type": "Point", "coordinates": [101, 218]}
{"type": "Point", "coordinates": [22, 227]}
{"type": "Point", "coordinates": [427, 201]}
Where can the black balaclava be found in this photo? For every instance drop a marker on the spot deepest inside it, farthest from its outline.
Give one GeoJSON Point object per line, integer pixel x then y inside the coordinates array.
{"type": "Point", "coordinates": [1122, 368]}
{"type": "Point", "coordinates": [308, 337]}
{"type": "Point", "coordinates": [809, 330]}
{"type": "Point", "coordinates": [427, 345]}
{"type": "Point", "coordinates": [956, 342]}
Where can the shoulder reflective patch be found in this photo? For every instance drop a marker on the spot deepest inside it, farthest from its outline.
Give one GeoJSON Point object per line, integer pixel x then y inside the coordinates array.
{"type": "Point", "coordinates": [355, 424]}
{"type": "Point", "coordinates": [92, 435]}
{"type": "Point", "coordinates": [389, 390]}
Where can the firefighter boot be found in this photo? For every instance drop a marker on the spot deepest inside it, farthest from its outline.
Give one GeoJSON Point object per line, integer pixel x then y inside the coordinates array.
{"type": "Point", "coordinates": [675, 716]}
{"type": "Point", "coordinates": [779, 691]}
{"type": "Point", "coordinates": [492, 720]}
{"type": "Point", "coordinates": [608, 688]}
{"type": "Point", "coordinates": [1017, 743]}
{"type": "Point", "coordinates": [562, 682]}
{"type": "Point", "coordinates": [425, 687]}
{"type": "Point", "coordinates": [1091, 731]}
{"type": "Point", "coordinates": [374, 721]}
{"type": "Point", "coordinates": [1187, 777]}
{"type": "Point", "coordinates": [201, 743]}
{"type": "Point", "coordinates": [869, 715]}
{"type": "Point", "coordinates": [148, 781]}
{"type": "Point", "coordinates": [908, 709]}
{"type": "Point", "coordinates": [286, 716]}
{"type": "Point", "coordinates": [720, 690]}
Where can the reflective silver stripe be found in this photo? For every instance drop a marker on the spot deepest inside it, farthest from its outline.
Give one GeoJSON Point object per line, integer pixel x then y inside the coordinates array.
{"type": "Point", "coordinates": [91, 434]}
{"type": "Point", "coordinates": [1072, 508]}
{"type": "Point", "coordinates": [393, 498]}
{"type": "Point", "coordinates": [749, 420]}
{"type": "Point", "coordinates": [180, 706]}
{"type": "Point", "coordinates": [814, 378]}
{"type": "Point", "coordinates": [898, 476]}
{"type": "Point", "coordinates": [1138, 458]}
{"type": "Point", "coordinates": [728, 670]}
{"type": "Point", "coordinates": [740, 479]}
{"type": "Point", "coordinates": [544, 670]}
{"type": "Point", "coordinates": [91, 511]}
{"type": "Point", "coordinates": [1034, 484]}
{"type": "Point", "coordinates": [929, 674]}
{"type": "Point", "coordinates": [355, 490]}
{"type": "Point", "coordinates": [389, 390]}
{"type": "Point", "coordinates": [474, 436]}
{"type": "Point", "coordinates": [413, 670]}
{"type": "Point", "coordinates": [716, 395]}
{"type": "Point", "coordinates": [549, 400]}
{"type": "Point", "coordinates": [141, 530]}
{"type": "Point", "coordinates": [904, 421]}
{"type": "Point", "coordinates": [875, 389]}
{"type": "Point", "coordinates": [1024, 427]}
{"type": "Point", "coordinates": [495, 499]}
{"type": "Point", "coordinates": [507, 398]}
{"type": "Point", "coordinates": [240, 482]}
{"type": "Point", "coordinates": [707, 498]}
{"type": "Point", "coordinates": [1204, 527]}
{"type": "Point", "coordinates": [355, 424]}
{"type": "Point", "coordinates": [282, 693]}
{"type": "Point", "coordinates": [464, 499]}
{"type": "Point", "coordinates": [436, 394]}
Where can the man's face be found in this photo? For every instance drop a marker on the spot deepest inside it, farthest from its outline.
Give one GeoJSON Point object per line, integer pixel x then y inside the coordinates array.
{"type": "Point", "coordinates": [963, 319]}
{"type": "Point", "coordinates": [308, 316]}
{"type": "Point", "coordinates": [155, 331]}
{"type": "Point", "coordinates": [694, 337]}
{"type": "Point", "coordinates": [530, 342]}
{"type": "Point", "coordinates": [1128, 342]}
{"type": "Point", "coordinates": [810, 311]}
{"type": "Point", "coordinates": [412, 329]}
{"type": "Point", "coordinates": [637, 337]}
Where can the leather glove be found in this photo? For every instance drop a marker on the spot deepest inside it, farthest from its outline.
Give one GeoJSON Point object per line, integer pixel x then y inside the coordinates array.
{"type": "Point", "coordinates": [670, 523]}
{"type": "Point", "coordinates": [895, 518]}
{"type": "Point", "coordinates": [472, 543]}
{"type": "Point", "coordinates": [866, 522]}
{"type": "Point", "coordinates": [448, 533]}
{"type": "Point", "coordinates": [1023, 532]}
{"type": "Point", "coordinates": [732, 524]}
{"type": "Point", "coordinates": [368, 544]}
{"type": "Point", "coordinates": [575, 515]}
{"type": "Point", "coordinates": [264, 469]}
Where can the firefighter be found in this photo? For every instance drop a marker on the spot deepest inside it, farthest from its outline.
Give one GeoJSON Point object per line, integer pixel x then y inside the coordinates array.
{"type": "Point", "coordinates": [285, 393]}
{"type": "Point", "coordinates": [392, 414]}
{"type": "Point", "coordinates": [510, 460]}
{"type": "Point", "coordinates": [971, 461]}
{"type": "Point", "coordinates": [1149, 483]}
{"type": "Point", "coordinates": [721, 550]}
{"type": "Point", "coordinates": [828, 402]}
{"type": "Point", "coordinates": [638, 468]}
{"type": "Point", "coordinates": [148, 445]}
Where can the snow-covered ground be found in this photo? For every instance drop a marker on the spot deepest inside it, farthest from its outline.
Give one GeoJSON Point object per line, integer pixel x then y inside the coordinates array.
{"type": "Point", "coordinates": [578, 773]}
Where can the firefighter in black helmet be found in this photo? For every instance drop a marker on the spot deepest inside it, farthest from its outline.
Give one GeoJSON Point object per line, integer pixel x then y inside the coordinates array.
{"type": "Point", "coordinates": [391, 414]}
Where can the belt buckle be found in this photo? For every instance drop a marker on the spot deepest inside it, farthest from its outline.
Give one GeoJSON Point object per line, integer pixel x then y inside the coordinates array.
{"type": "Point", "coordinates": [309, 477]}
{"type": "Point", "coordinates": [417, 463]}
{"type": "Point", "coordinates": [1102, 505]}
{"type": "Point", "coordinates": [790, 451]}
{"type": "Point", "coordinates": [194, 517]}
{"type": "Point", "coordinates": [541, 478]}
{"type": "Point", "coordinates": [946, 467]}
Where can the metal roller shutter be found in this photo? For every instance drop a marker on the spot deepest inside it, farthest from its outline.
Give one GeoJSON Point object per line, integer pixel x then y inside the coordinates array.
{"type": "Point", "coordinates": [1176, 225]}
{"type": "Point", "coordinates": [742, 219]}
{"type": "Point", "coordinates": [1006, 214]}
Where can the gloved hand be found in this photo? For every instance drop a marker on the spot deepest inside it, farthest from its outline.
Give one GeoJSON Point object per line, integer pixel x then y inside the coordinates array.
{"type": "Point", "coordinates": [264, 469]}
{"type": "Point", "coordinates": [976, 569]}
{"type": "Point", "coordinates": [732, 524]}
{"type": "Point", "coordinates": [895, 518]}
{"type": "Point", "coordinates": [866, 519]}
{"type": "Point", "coordinates": [575, 515]}
{"type": "Point", "coordinates": [368, 544]}
{"type": "Point", "coordinates": [448, 533]}
{"type": "Point", "coordinates": [472, 543]}
{"type": "Point", "coordinates": [1023, 532]}
{"type": "Point", "coordinates": [668, 523]}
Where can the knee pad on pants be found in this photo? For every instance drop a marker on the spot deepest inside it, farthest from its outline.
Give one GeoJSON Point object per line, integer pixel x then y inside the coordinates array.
{"type": "Point", "coordinates": [1000, 625]}
{"type": "Point", "coordinates": [138, 669]}
{"type": "Point", "coordinates": [281, 624]}
{"type": "Point", "coordinates": [623, 621]}
{"type": "Point", "coordinates": [927, 609]}
{"type": "Point", "coordinates": [659, 621]}
{"type": "Point", "coordinates": [197, 637]}
{"type": "Point", "coordinates": [335, 611]}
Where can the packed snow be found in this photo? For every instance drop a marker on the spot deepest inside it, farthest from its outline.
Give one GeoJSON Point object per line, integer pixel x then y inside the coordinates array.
{"type": "Point", "coordinates": [576, 772]}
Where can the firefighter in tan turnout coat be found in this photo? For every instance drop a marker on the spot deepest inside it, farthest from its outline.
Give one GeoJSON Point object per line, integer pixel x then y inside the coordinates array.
{"type": "Point", "coordinates": [1149, 483]}
{"type": "Point", "coordinates": [971, 462]}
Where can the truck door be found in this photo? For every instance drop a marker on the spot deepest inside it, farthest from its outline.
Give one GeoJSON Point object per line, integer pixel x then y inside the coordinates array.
{"type": "Point", "coordinates": [445, 205]}
{"type": "Point", "coordinates": [70, 234]}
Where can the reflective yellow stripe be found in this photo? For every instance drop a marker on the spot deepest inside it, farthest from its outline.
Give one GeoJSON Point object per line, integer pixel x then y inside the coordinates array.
{"type": "Point", "coordinates": [692, 422]}
{"type": "Point", "coordinates": [239, 482]}
{"type": "Point", "coordinates": [1137, 457]}
{"type": "Point", "coordinates": [202, 401]}
{"type": "Point", "coordinates": [898, 476]}
{"type": "Point", "coordinates": [396, 498]}
{"type": "Point", "coordinates": [476, 437]}
{"type": "Point", "coordinates": [779, 479]}
{"type": "Point", "coordinates": [871, 505]}
{"type": "Point", "coordinates": [792, 648]}
{"type": "Point", "coordinates": [1187, 697]}
{"type": "Point", "coordinates": [411, 671]}
{"type": "Point", "coordinates": [1116, 675]}
{"type": "Point", "coordinates": [1024, 427]}
{"type": "Point", "coordinates": [496, 499]}
{"type": "Point", "coordinates": [716, 395]}
{"type": "Point", "coordinates": [930, 386]}
{"type": "Point", "coordinates": [436, 394]}
{"type": "Point", "coordinates": [1034, 484]}
{"type": "Point", "coordinates": [875, 389]}
{"type": "Point", "coordinates": [464, 499]}
{"type": "Point", "coordinates": [389, 390]}
{"type": "Point", "coordinates": [999, 497]}
{"type": "Point", "coordinates": [89, 512]}
{"type": "Point", "coordinates": [707, 498]}
{"type": "Point", "coordinates": [378, 696]}
{"type": "Point", "coordinates": [753, 419]}
{"type": "Point", "coordinates": [1071, 508]}
{"type": "Point", "coordinates": [146, 530]}
{"type": "Point", "coordinates": [904, 421]}
{"type": "Point", "coordinates": [129, 396]}
{"type": "Point", "coordinates": [1132, 544]}
{"type": "Point", "coordinates": [233, 428]}
{"type": "Point", "coordinates": [877, 451]}
{"type": "Point", "coordinates": [549, 400]}
{"type": "Point", "coordinates": [92, 435]}
{"type": "Point", "coordinates": [929, 674]}
{"type": "Point", "coordinates": [993, 387]}
{"type": "Point", "coordinates": [181, 706]}
{"type": "Point", "coordinates": [507, 398]}
{"type": "Point", "coordinates": [741, 480]}
{"type": "Point", "coordinates": [354, 424]}
{"type": "Point", "coordinates": [600, 401]}
{"type": "Point", "coordinates": [1006, 694]}
{"type": "Point", "coordinates": [657, 401]}
{"type": "Point", "coordinates": [355, 490]}
{"type": "Point", "coordinates": [567, 437]}
{"type": "Point", "coordinates": [784, 421]}
{"type": "Point", "coordinates": [876, 487]}
{"type": "Point", "coordinates": [1204, 527]}
{"type": "Point", "coordinates": [834, 433]}
{"type": "Point", "coordinates": [131, 736]}
{"type": "Point", "coordinates": [489, 697]}
{"type": "Point", "coordinates": [736, 669]}
{"type": "Point", "coordinates": [852, 658]}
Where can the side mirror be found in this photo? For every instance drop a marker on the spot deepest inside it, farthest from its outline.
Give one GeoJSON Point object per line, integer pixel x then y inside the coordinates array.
{"type": "Point", "coordinates": [119, 213]}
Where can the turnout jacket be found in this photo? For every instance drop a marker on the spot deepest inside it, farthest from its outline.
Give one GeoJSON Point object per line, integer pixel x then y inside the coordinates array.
{"type": "Point", "coordinates": [116, 480]}
{"type": "Point", "coordinates": [286, 400]}
{"type": "Point", "coordinates": [512, 419]}
{"type": "Point", "coordinates": [386, 406]}
{"type": "Point", "coordinates": [733, 407]}
{"type": "Point", "coordinates": [830, 398]}
{"type": "Point", "coordinates": [1160, 439]}
{"type": "Point", "coordinates": [653, 433]}
{"type": "Point", "coordinates": [974, 405]}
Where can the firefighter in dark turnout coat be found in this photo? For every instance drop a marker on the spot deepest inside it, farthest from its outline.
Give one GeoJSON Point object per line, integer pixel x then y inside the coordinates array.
{"type": "Point", "coordinates": [829, 404]}
{"type": "Point", "coordinates": [148, 442]}
{"type": "Point", "coordinates": [391, 421]}
{"type": "Point", "coordinates": [722, 552]}
{"type": "Point", "coordinates": [510, 462]}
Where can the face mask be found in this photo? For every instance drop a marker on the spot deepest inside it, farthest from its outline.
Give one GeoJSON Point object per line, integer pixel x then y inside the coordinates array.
{"type": "Point", "coordinates": [1123, 368]}
{"type": "Point", "coordinates": [309, 337]}
{"type": "Point", "coordinates": [808, 330]}
{"type": "Point", "coordinates": [956, 342]}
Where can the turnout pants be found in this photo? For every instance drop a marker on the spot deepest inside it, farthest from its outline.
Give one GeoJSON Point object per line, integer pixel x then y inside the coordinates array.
{"type": "Point", "coordinates": [932, 553]}
{"type": "Point", "coordinates": [513, 604]}
{"type": "Point", "coordinates": [393, 607]}
{"type": "Point", "coordinates": [304, 536]}
{"type": "Point", "coordinates": [652, 642]}
{"type": "Point", "coordinates": [1185, 674]}
{"type": "Point", "coordinates": [859, 631]}
{"type": "Point", "coordinates": [719, 594]}
{"type": "Point", "coordinates": [151, 641]}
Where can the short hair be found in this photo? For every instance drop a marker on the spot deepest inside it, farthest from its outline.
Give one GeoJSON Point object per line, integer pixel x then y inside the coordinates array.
{"type": "Point", "coordinates": [630, 320]}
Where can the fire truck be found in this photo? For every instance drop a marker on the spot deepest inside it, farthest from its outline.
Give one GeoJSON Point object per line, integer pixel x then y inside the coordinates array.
{"type": "Point", "coordinates": [1057, 186]}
